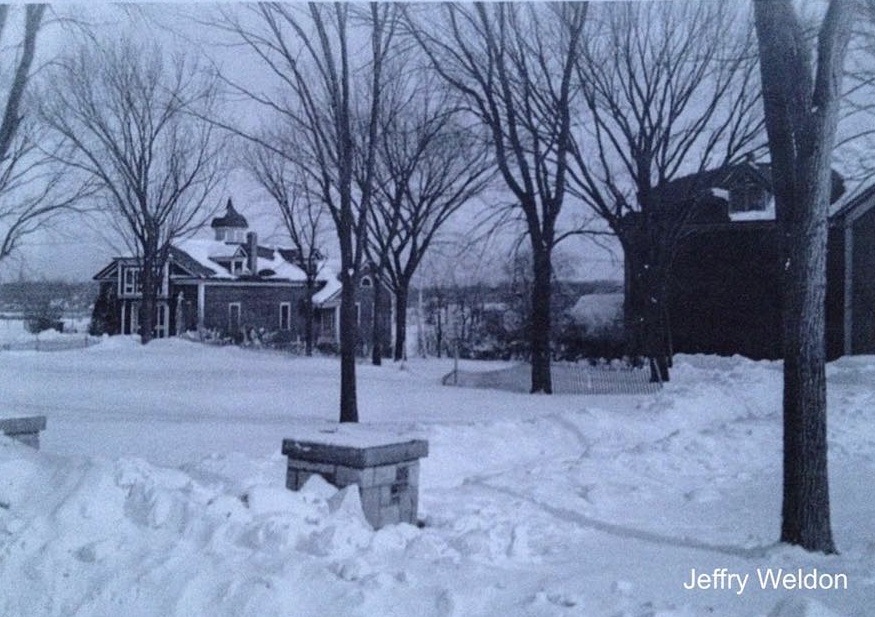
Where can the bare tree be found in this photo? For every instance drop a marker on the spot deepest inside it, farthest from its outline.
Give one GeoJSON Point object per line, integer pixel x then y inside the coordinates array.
{"type": "Point", "coordinates": [32, 188]}
{"type": "Point", "coordinates": [513, 64]}
{"type": "Point", "coordinates": [303, 215]}
{"type": "Point", "coordinates": [801, 98]}
{"type": "Point", "coordinates": [35, 190]}
{"type": "Point", "coordinates": [668, 88]}
{"type": "Point", "coordinates": [430, 165]}
{"type": "Point", "coordinates": [331, 87]}
{"type": "Point", "coordinates": [128, 113]}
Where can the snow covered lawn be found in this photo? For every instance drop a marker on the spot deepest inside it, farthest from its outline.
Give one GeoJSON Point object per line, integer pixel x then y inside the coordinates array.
{"type": "Point", "coordinates": [159, 491]}
{"type": "Point", "coordinates": [14, 335]}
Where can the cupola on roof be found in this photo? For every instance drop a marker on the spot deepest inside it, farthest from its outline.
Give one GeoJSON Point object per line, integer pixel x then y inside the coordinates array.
{"type": "Point", "coordinates": [232, 219]}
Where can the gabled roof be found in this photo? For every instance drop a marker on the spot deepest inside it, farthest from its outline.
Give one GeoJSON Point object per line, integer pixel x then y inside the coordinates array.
{"type": "Point", "coordinates": [703, 183]}
{"type": "Point", "coordinates": [108, 273]}
{"type": "Point", "coordinates": [329, 294]}
{"type": "Point", "coordinates": [714, 185]}
{"type": "Point", "coordinates": [202, 255]}
{"type": "Point", "coordinates": [857, 204]}
{"type": "Point", "coordinates": [189, 264]}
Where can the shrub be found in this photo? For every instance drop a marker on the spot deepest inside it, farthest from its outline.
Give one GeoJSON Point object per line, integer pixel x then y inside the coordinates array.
{"type": "Point", "coordinates": [42, 315]}
{"type": "Point", "coordinates": [327, 347]}
{"type": "Point", "coordinates": [103, 319]}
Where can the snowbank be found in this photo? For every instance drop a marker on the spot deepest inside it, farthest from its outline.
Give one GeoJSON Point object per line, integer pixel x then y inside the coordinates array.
{"type": "Point", "coordinates": [160, 492]}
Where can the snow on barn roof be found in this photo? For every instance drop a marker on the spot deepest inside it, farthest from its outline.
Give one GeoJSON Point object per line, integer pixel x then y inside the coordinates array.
{"type": "Point", "coordinates": [766, 214]}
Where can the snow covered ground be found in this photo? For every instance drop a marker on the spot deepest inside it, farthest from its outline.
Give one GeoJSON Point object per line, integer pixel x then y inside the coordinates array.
{"type": "Point", "coordinates": [15, 335]}
{"type": "Point", "coordinates": [159, 491]}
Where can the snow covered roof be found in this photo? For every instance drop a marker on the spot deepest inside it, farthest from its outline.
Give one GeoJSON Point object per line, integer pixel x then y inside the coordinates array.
{"type": "Point", "coordinates": [209, 255]}
{"type": "Point", "coordinates": [328, 292]}
{"type": "Point", "coordinates": [720, 182]}
{"type": "Point", "coordinates": [204, 254]}
{"type": "Point", "coordinates": [853, 202]}
{"type": "Point", "coordinates": [281, 268]}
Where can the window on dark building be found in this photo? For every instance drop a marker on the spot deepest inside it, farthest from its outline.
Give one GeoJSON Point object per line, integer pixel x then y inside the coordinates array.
{"type": "Point", "coordinates": [747, 198]}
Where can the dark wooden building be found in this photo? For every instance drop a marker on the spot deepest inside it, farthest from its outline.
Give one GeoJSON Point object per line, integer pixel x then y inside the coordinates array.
{"type": "Point", "coordinates": [725, 283]}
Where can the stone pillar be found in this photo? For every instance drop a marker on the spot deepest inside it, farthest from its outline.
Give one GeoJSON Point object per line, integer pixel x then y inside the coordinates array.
{"type": "Point", "coordinates": [26, 430]}
{"type": "Point", "coordinates": [385, 469]}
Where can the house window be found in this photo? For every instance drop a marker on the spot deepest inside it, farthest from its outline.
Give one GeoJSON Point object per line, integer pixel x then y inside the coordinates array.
{"type": "Point", "coordinates": [135, 319]}
{"type": "Point", "coordinates": [131, 281]}
{"type": "Point", "coordinates": [747, 198]}
{"type": "Point", "coordinates": [236, 266]}
{"type": "Point", "coordinates": [358, 314]}
{"type": "Point", "coordinates": [161, 322]}
{"type": "Point", "coordinates": [366, 281]}
{"type": "Point", "coordinates": [326, 320]}
{"type": "Point", "coordinates": [285, 316]}
{"type": "Point", "coordinates": [233, 318]}
{"type": "Point", "coordinates": [230, 236]}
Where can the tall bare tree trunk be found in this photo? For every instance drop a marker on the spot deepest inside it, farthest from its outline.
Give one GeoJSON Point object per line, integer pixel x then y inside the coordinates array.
{"type": "Point", "coordinates": [400, 322]}
{"type": "Point", "coordinates": [148, 302]}
{"type": "Point", "coordinates": [377, 325]}
{"type": "Point", "coordinates": [801, 104]}
{"type": "Point", "coordinates": [308, 320]}
{"type": "Point", "coordinates": [348, 335]}
{"type": "Point", "coordinates": [540, 324]}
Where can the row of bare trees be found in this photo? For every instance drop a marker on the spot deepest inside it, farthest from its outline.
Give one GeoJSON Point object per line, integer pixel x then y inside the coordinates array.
{"type": "Point", "coordinates": [598, 105]}
{"type": "Point", "coordinates": [664, 89]}
{"type": "Point", "coordinates": [385, 120]}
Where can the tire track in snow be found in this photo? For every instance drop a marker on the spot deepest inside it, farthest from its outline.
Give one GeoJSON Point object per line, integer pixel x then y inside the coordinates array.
{"type": "Point", "coordinates": [627, 533]}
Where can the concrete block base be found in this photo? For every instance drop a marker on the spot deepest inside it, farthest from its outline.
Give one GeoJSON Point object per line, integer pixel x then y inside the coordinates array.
{"type": "Point", "coordinates": [385, 470]}
{"type": "Point", "coordinates": [26, 430]}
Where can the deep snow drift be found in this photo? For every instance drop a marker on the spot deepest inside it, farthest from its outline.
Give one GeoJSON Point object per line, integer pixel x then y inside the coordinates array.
{"type": "Point", "coordinates": [159, 491]}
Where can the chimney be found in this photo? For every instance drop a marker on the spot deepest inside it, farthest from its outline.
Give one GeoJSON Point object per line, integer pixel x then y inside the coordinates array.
{"type": "Point", "coordinates": [252, 252]}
